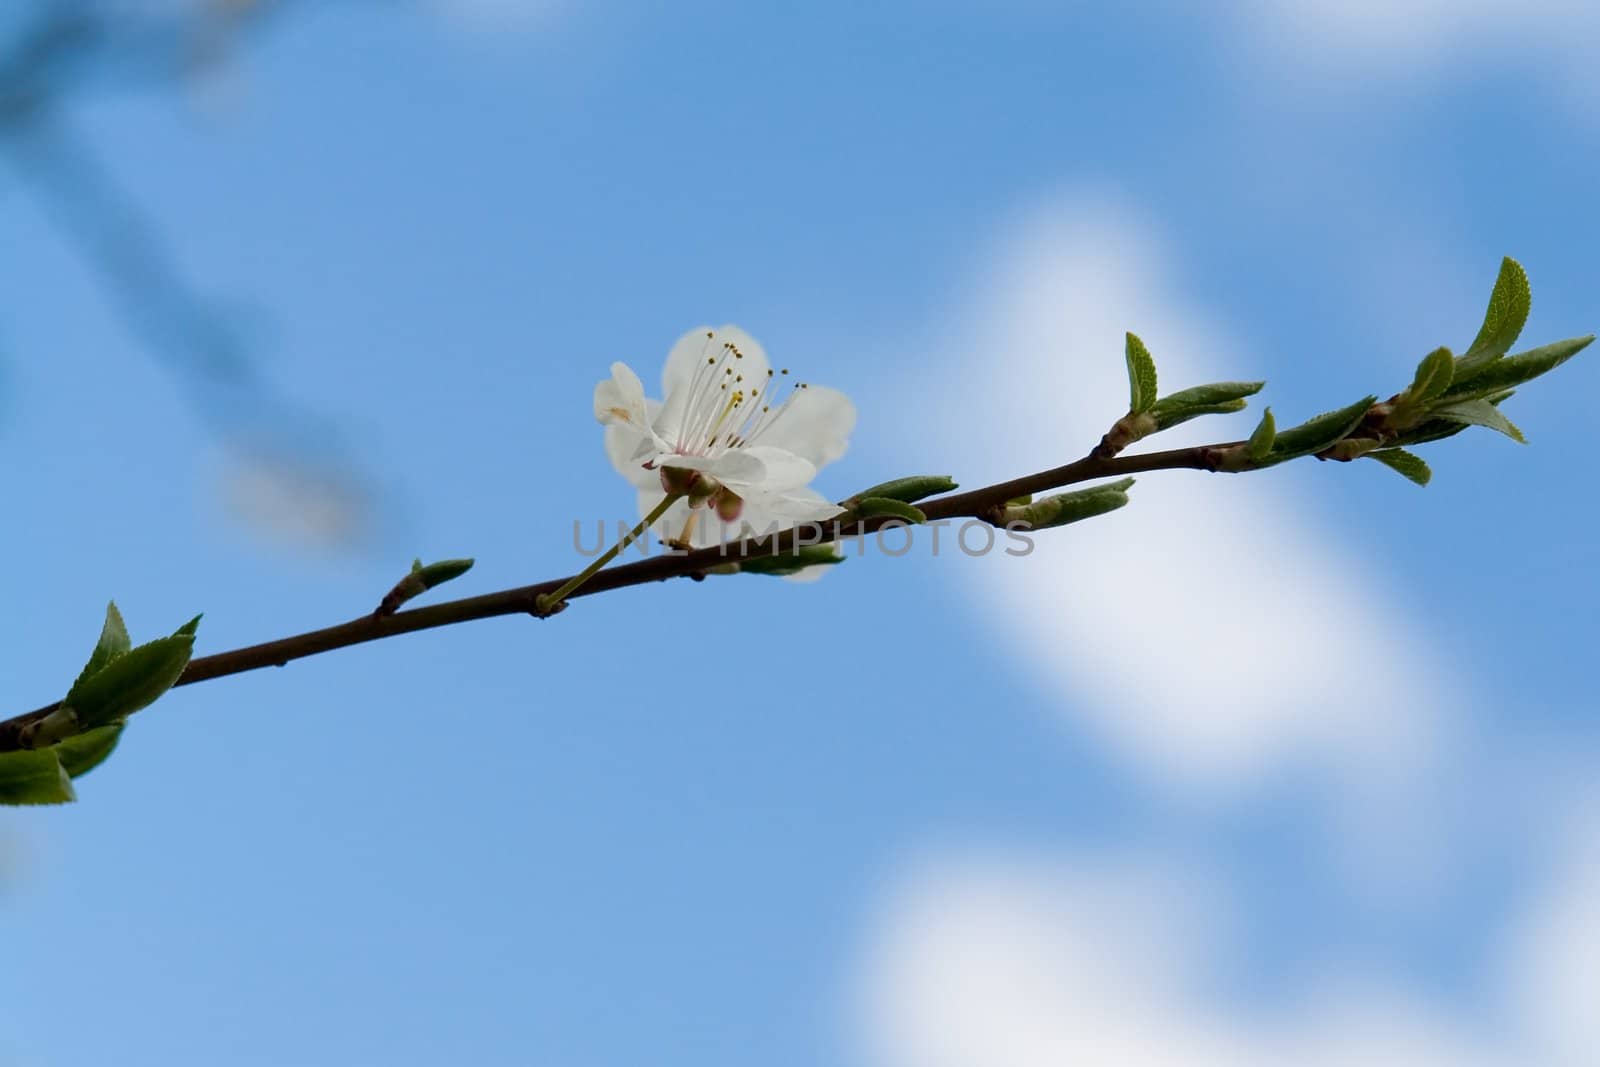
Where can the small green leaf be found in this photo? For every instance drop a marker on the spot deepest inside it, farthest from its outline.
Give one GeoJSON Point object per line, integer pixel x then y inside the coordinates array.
{"type": "Point", "coordinates": [1218, 398]}
{"type": "Point", "coordinates": [910, 490]}
{"type": "Point", "coordinates": [1514, 370]}
{"type": "Point", "coordinates": [1432, 430]}
{"type": "Point", "coordinates": [784, 564]}
{"type": "Point", "coordinates": [1206, 396]}
{"type": "Point", "coordinates": [131, 681]}
{"type": "Point", "coordinates": [1065, 508]}
{"type": "Point", "coordinates": [1433, 376]}
{"type": "Point", "coordinates": [1509, 305]}
{"type": "Point", "coordinates": [1406, 463]}
{"type": "Point", "coordinates": [1141, 376]}
{"type": "Point", "coordinates": [1266, 432]}
{"type": "Point", "coordinates": [1480, 413]}
{"type": "Point", "coordinates": [1167, 418]}
{"type": "Point", "coordinates": [34, 777]}
{"type": "Point", "coordinates": [873, 506]}
{"type": "Point", "coordinates": [81, 754]}
{"type": "Point", "coordinates": [190, 628]}
{"type": "Point", "coordinates": [446, 570]}
{"type": "Point", "coordinates": [114, 640]}
{"type": "Point", "coordinates": [1318, 433]}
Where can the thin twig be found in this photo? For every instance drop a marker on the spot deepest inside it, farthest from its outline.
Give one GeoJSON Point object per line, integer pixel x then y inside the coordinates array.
{"type": "Point", "coordinates": [524, 600]}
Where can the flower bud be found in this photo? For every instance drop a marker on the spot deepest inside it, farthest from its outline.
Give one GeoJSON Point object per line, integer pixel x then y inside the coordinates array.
{"type": "Point", "coordinates": [697, 486]}
{"type": "Point", "coordinates": [729, 505]}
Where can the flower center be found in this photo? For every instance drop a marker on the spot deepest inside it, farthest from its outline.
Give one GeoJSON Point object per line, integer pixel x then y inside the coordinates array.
{"type": "Point", "coordinates": [724, 410]}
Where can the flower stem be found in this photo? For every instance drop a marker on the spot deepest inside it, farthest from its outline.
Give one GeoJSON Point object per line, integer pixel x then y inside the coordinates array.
{"type": "Point", "coordinates": [549, 601]}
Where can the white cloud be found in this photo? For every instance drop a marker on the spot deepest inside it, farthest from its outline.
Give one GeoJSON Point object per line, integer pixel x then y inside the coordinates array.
{"type": "Point", "coordinates": [996, 963]}
{"type": "Point", "coordinates": [1210, 632]}
{"type": "Point", "coordinates": [1351, 38]}
{"type": "Point", "coordinates": [1553, 977]}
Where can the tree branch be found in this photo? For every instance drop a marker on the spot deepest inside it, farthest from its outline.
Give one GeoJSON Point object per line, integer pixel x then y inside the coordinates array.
{"type": "Point", "coordinates": [984, 504]}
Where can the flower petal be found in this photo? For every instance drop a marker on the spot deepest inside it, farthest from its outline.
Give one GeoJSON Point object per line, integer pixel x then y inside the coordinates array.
{"type": "Point", "coordinates": [629, 450]}
{"type": "Point", "coordinates": [620, 399]}
{"type": "Point", "coordinates": [816, 426]}
{"type": "Point", "coordinates": [688, 378]}
{"type": "Point", "coordinates": [781, 470]}
{"type": "Point", "coordinates": [736, 468]}
{"type": "Point", "coordinates": [789, 508]}
{"type": "Point", "coordinates": [695, 347]}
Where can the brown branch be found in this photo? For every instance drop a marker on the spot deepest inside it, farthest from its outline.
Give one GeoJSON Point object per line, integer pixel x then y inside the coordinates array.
{"type": "Point", "coordinates": [981, 504]}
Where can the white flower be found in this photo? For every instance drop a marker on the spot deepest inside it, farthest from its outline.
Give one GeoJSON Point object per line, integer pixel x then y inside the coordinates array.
{"type": "Point", "coordinates": [740, 440]}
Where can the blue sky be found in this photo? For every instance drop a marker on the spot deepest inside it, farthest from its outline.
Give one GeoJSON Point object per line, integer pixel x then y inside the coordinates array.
{"type": "Point", "coordinates": [1288, 768]}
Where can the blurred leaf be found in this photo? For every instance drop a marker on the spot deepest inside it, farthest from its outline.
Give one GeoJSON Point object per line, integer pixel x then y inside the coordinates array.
{"type": "Point", "coordinates": [1141, 376]}
{"type": "Point", "coordinates": [34, 776]}
{"type": "Point", "coordinates": [1266, 432]}
{"type": "Point", "coordinates": [1406, 463]}
{"type": "Point", "coordinates": [1508, 309]}
{"type": "Point", "coordinates": [1480, 413]}
{"type": "Point", "coordinates": [190, 628]}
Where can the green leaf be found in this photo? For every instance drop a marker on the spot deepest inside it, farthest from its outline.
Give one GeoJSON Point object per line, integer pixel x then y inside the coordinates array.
{"type": "Point", "coordinates": [1171, 417]}
{"type": "Point", "coordinates": [446, 570]}
{"type": "Point", "coordinates": [910, 490]}
{"type": "Point", "coordinates": [81, 754]}
{"type": "Point", "coordinates": [1206, 396]}
{"type": "Point", "coordinates": [131, 681]}
{"type": "Point", "coordinates": [783, 564]}
{"type": "Point", "coordinates": [1406, 463]}
{"type": "Point", "coordinates": [1432, 430]}
{"type": "Point", "coordinates": [881, 505]}
{"type": "Point", "coordinates": [113, 642]}
{"type": "Point", "coordinates": [1141, 376]}
{"type": "Point", "coordinates": [1065, 508]}
{"type": "Point", "coordinates": [1318, 433]}
{"type": "Point", "coordinates": [1266, 432]}
{"type": "Point", "coordinates": [34, 776]}
{"type": "Point", "coordinates": [1433, 376]}
{"type": "Point", "coordinates": [1512, 371]}
{"type": "Point", "coordinates": [189, 628]}
{"type": "Point", "coordinates": [1509, 305]}
{"type": "Point", "coordinates": [1480, 413]}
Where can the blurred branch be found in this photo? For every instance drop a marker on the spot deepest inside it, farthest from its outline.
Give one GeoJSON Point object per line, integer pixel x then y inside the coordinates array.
{"type": "Point", "coordinates": [68, 47]}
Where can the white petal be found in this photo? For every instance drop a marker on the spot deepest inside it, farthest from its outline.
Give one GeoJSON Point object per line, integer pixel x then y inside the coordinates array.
{"type": "Point", "coordinates": [620, 399]}
{"type": "Point", "coordinates": [816, 426]}
{"type": "Point", "coordinates": [694, 356]}
{"type": "Point", "coordinates": [629, 450]}
{"type": "Point", "coordinates": [781, 470]}
{"type": "Point", "coordinates": [736, 468]}
{"type": "Point", "coordinates": [694, 348]}
{"type": "Point", "coordinates": [767, 513]}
